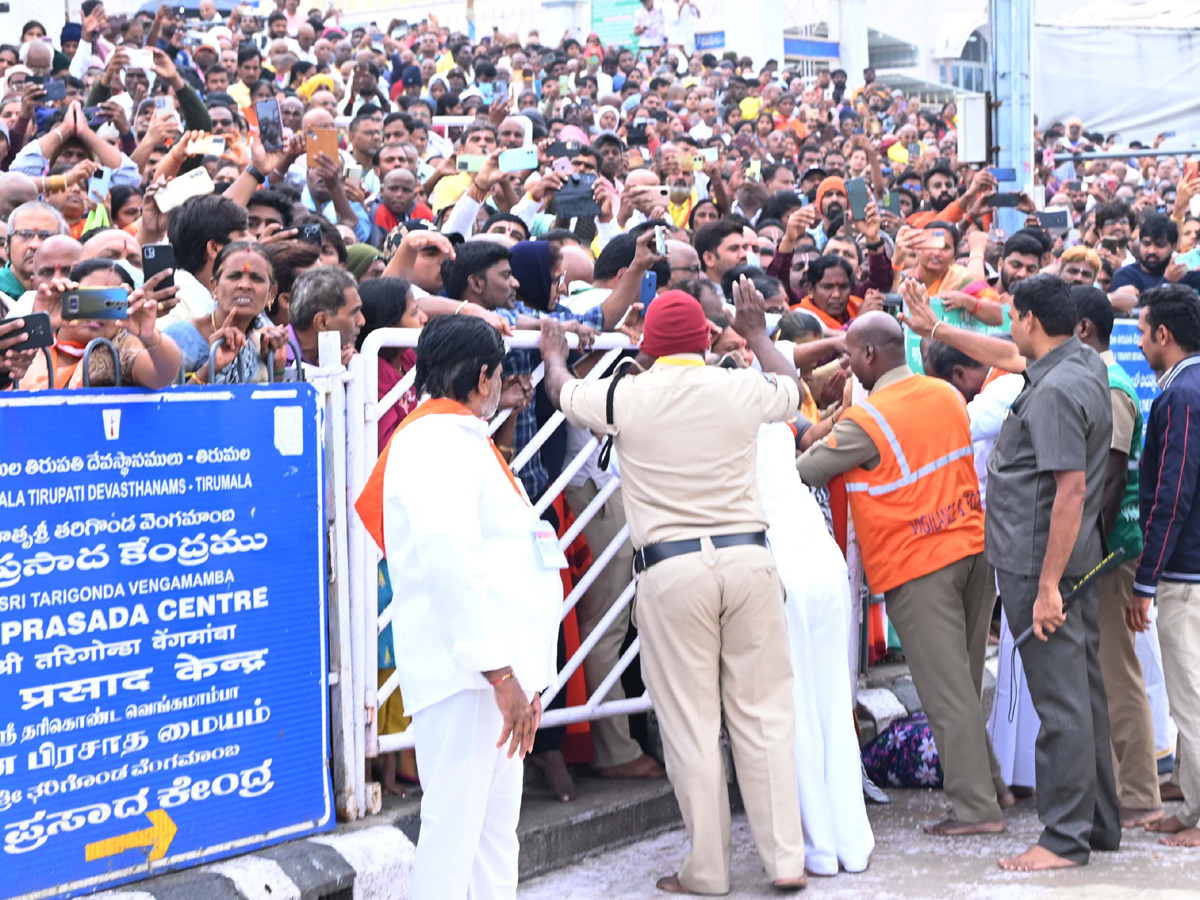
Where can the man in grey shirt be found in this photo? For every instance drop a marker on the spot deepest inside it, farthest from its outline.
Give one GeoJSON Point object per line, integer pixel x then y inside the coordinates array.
{"type": "Point", "coordinates": [1045, 480]}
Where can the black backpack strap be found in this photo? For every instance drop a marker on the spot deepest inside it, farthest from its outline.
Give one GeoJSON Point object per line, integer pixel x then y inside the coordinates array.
{"type": "Point", "coordinates": [610, 415]}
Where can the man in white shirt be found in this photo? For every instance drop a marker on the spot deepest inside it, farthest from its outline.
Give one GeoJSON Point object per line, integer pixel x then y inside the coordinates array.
{"type": "Point", "coordinates": [648, 25]}
{"type": "Point", "coordinates": [476, 582]}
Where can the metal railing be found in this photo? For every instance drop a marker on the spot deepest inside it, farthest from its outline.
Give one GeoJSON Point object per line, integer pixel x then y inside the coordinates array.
{"type": "Point", "coordinates": [368, 622]}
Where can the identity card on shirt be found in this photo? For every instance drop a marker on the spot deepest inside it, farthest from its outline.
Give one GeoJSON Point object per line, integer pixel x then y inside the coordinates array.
{"type": "Point", "coordinates": [545, 542]}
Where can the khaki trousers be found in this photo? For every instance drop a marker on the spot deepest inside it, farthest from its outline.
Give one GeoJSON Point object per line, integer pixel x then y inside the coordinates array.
{"type": "Point", "coordinates": [942, 619]}
{"type": "Point", "coordinates": [611, 741]}
{"type": "Point", "coordinates": [1179, 634]}
{"type": "Point", "coordinates": [1130, 724]}
{"type": "Point", "coordinates": [713, 631]}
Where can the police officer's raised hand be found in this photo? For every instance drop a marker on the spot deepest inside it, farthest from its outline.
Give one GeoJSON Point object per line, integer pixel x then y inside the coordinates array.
{"type": "Point", "coordinates": [750, 320]}
{"type": "Point", "coordinates": [554, 340]}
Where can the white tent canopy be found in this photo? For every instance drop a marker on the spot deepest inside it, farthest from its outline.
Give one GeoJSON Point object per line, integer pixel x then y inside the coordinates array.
{"type": "Point", "coordinates": [1123, 67]}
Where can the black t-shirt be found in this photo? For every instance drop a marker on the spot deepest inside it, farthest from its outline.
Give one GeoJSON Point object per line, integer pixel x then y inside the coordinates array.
{"type": "Point", "coordinates": [1133, 274]}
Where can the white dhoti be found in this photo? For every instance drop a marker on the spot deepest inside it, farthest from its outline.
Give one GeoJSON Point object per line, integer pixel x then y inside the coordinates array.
{"type": "Point", "coordinates": [1150, 656]}
{"type": "Point", "coordinates": [818, 610]}
{"type": "Point", "coordinates": [1013, 740]}
{"type": "Point", "coordinates": [471, 801]}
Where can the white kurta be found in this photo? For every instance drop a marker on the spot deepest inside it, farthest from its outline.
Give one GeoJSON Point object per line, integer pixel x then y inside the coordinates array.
{"type": "Point", "coordinates": [813, 572]}
{"type": "Point", "coordinates": [470, 592]}
{"type": "Point", "coordinates": [471, 595]}
{"type": "Point", "coordinates": [1013, 740]}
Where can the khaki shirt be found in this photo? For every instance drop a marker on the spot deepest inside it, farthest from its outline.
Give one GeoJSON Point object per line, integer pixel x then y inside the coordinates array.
{"type": "Point", "coordinates": [847, 446]}
{"type": "Point", "coordinates": [1124, 413]}
{"type": "Point", "coordinates": [686, 439]}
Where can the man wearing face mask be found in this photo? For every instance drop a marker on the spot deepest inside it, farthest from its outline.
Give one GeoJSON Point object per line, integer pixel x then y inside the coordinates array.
{"type": "Point", "coordinates": [476, 575]}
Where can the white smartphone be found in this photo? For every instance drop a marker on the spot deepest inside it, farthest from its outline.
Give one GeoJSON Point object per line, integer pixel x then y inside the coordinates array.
{"type": "Point", "coordinates": [354, 175]}
{"type": "Point", "coordinates": [195, 183]}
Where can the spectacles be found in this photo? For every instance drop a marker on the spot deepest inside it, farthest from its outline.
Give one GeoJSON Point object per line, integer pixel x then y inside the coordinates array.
{"type": "Point", "coordinates": [28, 234]}
{"type": "Point", "coordinates": [695, 270]}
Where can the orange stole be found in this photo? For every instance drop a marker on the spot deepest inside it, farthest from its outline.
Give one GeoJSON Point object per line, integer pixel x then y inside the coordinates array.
{"type": "Point", "coordinates": [370, 502]}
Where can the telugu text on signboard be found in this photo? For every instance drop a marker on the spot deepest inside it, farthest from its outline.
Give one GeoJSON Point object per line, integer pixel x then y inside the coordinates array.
{"type": "Point", "coordinates": [163, 666]}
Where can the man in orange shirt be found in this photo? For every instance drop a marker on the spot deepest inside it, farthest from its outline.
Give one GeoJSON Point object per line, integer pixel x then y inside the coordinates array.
{"type": "Point", "coordinates": [914, 498]}
{"type": "Point", "coordinates": [941, 184]}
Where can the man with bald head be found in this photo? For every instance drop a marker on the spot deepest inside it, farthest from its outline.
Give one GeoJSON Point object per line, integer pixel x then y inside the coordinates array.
{"type": "Point", "coordinates": [914, 498]}
{"type": "Point", "coordinates": [15, 188]}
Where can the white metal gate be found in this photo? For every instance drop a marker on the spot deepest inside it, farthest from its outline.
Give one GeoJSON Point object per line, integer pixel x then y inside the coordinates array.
{"type": "Point", "coordinates": [366, 621]}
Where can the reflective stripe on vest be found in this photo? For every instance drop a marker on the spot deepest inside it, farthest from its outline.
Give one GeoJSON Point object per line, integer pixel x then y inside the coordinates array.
{"type": "Point", "coordinates": [907, 475]}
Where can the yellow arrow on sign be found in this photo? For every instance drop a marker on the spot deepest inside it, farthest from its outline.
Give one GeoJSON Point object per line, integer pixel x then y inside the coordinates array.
{"type": "Point", "coordinates": [157, 838]}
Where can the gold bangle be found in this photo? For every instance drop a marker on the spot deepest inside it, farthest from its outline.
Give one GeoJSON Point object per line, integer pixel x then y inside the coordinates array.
{"type": "Point", "coordinates": [933, 330]}
{"type": "Point", "coordinates": [505, 451]}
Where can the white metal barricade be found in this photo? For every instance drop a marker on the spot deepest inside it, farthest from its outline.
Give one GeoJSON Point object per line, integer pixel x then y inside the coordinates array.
{"type": "Point", "coordinates": [363, 414]}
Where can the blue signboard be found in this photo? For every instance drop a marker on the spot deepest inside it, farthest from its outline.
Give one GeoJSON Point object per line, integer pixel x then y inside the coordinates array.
{"type": "Point", "coordinates": [1124, 345]}
{"type": "Point", "coordinates": [163, 662]}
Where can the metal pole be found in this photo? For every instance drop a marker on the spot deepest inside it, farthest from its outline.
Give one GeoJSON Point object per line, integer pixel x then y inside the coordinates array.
{"type": "Point", "coordinates": [1129, 154]}
{"type": "Point", "coordinates": [1012, 39]}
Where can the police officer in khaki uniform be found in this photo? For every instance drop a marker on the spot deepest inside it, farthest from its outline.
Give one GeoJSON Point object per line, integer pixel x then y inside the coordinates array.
{"type": "Point", "coordinates": [710, 607]}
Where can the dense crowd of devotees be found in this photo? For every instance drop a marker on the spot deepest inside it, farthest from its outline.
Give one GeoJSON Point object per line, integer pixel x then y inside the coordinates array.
{"type": "Point", "coordinates": [241, 185]}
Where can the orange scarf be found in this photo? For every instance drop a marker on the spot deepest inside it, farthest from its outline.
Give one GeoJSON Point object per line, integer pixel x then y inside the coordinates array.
{"type": "Point", "coordinates": [370, 503]}
{"type": "Point", "coordinates": [829, 321]}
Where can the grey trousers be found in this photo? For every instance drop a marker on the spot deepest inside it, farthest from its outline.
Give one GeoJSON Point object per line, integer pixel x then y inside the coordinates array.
{"type": "Point", "coordinates": [1076, 791]}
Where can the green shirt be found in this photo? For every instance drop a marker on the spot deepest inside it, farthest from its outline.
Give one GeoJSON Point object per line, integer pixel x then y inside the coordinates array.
{"type": "Point", "coordinates": [1126, 532]}
{"type": "Point", "coordinates": [9, 284]}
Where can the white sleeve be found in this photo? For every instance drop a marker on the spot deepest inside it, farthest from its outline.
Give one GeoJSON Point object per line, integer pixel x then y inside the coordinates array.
{"type": "Point", "coordinates": [79, 62]}
{"type": "Point", "coordinates": [606, 231]}
{"type": "Point", "coordinates": [126, 174]}
{"type": "Point", "coordinates": [526, 209]}
{"type": "Point", "coordinates": [989, 407]}
{"type": "Point", "coordinates": [461, 219]}
{"type": "Point", "coordinates": [29, 161]}
{"type": "Point", "coordinates": [447, 542]}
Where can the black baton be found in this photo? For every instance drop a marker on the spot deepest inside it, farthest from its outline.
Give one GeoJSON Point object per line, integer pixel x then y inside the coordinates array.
{"type": "Point", "coordinates": [1107, 564]}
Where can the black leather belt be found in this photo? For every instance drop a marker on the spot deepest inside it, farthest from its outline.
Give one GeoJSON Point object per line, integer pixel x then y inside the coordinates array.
{"type": "Point", "coordinates": [656, 553]}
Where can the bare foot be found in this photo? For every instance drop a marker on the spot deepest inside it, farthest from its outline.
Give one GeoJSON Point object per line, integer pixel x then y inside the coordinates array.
{"type": "Point", "coordinates": [642, 767]}
{"type": "Point", "coordinates": [1036, 859]}
{"type": "Point", "coordinates": [670, 884]}
{"type": "Point", "coordinates": [1135, 818]}
{"type": "Point", "coordinates": [1189, 837]}
{"type": "Point", "coordinates": [554, 768]}
{"type": "Point", "coordinates": [1170, 791]}
{"type": "Point", "coordinates": [394, 788]}
{"type": "Point", "coordinates": [953, 828]}
{"type": "Point", "coordinates": [1007, 800]}
{"type": "Point", "coordinates": [1169, 825]}
{"type": "Point", "coordinates": [790, 884]}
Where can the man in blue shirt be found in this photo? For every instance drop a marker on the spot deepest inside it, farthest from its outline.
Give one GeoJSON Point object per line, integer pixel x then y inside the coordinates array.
{"type": "Point", "coordinates": [1158, 237]}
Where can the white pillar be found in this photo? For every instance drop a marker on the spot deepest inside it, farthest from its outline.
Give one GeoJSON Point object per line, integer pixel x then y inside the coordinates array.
{"type": "Point", "coordinates": [852, 41]}
{"type": "Point", "coordinates": [755, 30]}
{"type": "Point", "coordinates": [557, 16]}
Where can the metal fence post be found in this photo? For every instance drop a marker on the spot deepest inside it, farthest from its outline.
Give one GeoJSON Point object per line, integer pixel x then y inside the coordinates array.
{"type": "Point", "coordinates": [349, 790]}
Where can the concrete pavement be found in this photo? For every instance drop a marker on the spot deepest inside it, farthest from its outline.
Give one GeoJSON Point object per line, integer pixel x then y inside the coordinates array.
{"type": "Point", "coordinates": [907, 865]}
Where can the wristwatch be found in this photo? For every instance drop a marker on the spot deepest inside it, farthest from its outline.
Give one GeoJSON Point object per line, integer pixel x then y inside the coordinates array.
{"type": "Point", "coordinates": [256, 174]}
